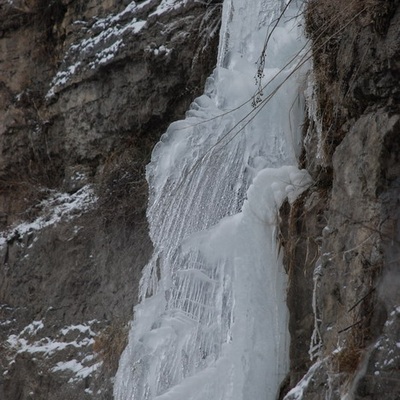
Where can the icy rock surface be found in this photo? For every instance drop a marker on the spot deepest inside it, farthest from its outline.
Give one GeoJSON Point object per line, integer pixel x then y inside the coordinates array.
{"type": "Point", "coordinates": [212, 321]}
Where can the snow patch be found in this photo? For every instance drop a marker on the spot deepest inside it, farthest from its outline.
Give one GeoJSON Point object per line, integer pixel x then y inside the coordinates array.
{"type": "Point", "coordinates": [82, 328]}
{"type": "Point", "coordinates": [48, 349]}
{"type": "Point", "coordinates": [160, 51]}
{"type": "Point", "coordinates": [80, 371]}
{"type": "Point", "coordinates": [167, 6]}
{"type": "Point", "coordinates": [23, 342]}
{"type": "Point", "coordinates": [106, 38]}
{"type": "Point", "coordinates": [32, 328]}
{"type": "Point", "coordinates": [45, 345]}
{"type": "Point", "coordinates": [59, 206]}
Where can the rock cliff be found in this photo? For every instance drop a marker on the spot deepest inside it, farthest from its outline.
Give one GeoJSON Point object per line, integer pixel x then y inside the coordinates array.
{"type": "Point", "coordinates": [341, 237]}
{"type": "Point", "coordinates": [86, 90]}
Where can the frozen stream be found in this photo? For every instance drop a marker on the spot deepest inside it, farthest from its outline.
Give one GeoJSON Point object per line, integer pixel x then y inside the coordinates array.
{"type": "Point", "coordinates": [212, 318]}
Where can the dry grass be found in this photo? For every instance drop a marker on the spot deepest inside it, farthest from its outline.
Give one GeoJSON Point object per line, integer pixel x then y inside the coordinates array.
{"type": "Point", "coordinates": [348, 359]}
{"type": "Point", "coordinates": [110, 343]}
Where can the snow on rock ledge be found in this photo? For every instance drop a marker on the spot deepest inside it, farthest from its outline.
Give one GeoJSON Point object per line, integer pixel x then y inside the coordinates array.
{"type": "Point", "coordinates": [103, 41]}
{"type": "Point", "coordinates": [53, 209]}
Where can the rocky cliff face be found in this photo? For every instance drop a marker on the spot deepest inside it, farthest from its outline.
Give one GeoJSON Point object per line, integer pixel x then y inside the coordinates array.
{"type": "Point", "coordinates": [86, 89]}
{"type": "Point", "coordinates": [341, 238]}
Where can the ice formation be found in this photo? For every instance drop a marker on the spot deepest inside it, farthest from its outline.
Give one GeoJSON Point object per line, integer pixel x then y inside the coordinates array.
{"type": "Point", "coordinates": [212, 318]}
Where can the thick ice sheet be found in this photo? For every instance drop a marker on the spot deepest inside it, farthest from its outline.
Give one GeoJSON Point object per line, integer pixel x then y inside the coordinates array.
{"type": "Point", "coordinates": [212, 321]}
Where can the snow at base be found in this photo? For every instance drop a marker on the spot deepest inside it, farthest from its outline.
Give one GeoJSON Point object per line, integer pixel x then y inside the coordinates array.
{"type": "Point", "coordinates": [212, 321]}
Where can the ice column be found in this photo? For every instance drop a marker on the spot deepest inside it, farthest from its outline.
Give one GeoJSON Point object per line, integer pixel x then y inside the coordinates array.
{"type": "Point", "coordinates": [212, 321]}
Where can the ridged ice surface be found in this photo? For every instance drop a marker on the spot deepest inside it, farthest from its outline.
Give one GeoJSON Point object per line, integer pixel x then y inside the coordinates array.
{"type": "Point", "coordinates": [212, 319]}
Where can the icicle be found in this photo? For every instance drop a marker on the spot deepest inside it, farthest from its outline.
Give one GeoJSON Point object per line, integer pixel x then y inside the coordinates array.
{"type": "Point", "coordinates": [316, 338]}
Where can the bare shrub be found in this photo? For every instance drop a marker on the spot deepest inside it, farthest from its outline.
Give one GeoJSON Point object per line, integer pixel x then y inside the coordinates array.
{"type": "Point", "coordinates": [347, 359]}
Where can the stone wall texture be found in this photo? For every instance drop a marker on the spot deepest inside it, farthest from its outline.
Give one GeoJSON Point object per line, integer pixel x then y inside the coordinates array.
{"type": "Point", "coordinates": [342, 237]}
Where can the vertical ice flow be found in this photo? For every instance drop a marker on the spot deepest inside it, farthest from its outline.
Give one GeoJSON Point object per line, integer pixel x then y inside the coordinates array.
{"type": "Point", "coordinates": [212, 319]}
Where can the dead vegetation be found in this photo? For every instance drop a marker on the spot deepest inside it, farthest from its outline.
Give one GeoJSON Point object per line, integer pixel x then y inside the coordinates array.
{"type": "Point", "coordinates": [348, 358]}
{"type": "Point", "coordinates": [110, 343]}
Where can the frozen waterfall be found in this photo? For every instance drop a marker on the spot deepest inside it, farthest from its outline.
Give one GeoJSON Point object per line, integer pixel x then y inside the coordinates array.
{"type": "Point", "coordinates": [212, 318]}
